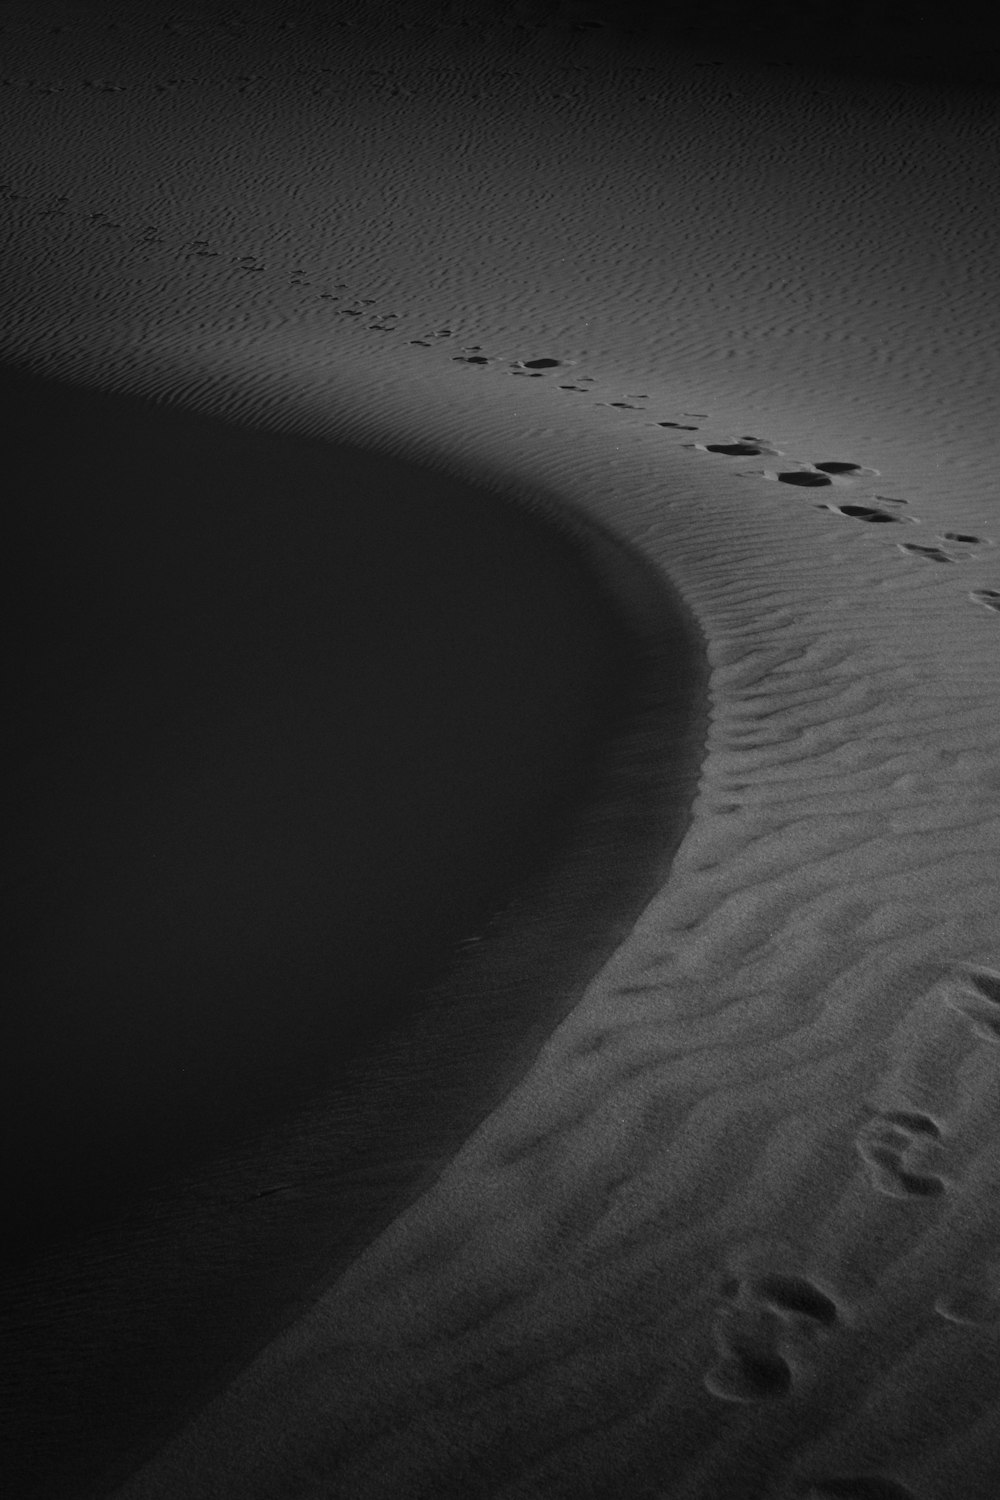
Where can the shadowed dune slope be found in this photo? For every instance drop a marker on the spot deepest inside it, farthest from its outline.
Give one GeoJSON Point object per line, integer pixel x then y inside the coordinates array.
{"type": "Point", "coordinates": [285, 734]}
{"type": "Point", "coordinates": [293, 724]}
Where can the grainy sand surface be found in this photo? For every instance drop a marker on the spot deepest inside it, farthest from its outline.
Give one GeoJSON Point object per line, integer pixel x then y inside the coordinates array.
{"type": "Point", "coordinates": [734, 1233]}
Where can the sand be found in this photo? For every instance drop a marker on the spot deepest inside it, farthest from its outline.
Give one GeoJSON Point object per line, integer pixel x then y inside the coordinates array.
{"type": "Point", "coordinates": [323, 764]}
{"type": "Point", "coordinates": [734, 1232]}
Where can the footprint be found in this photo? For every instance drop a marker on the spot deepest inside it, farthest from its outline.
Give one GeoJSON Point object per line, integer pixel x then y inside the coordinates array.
{"type": "Point", "coordinates": [855, 1487]}
{"type": "Point", "coordinates": [988, 598]}
{"type": "Point", "coordinates": [863, 512]}
{"type": "Point", "coordinates": [964, 541]}
{"type": "Point", "coordinates": [892, 1146]}
{"type": "Point", "coordinates": [933, 554]}
{"type": "Point", "coordinates": [796, 1297]}
{"type": "Point", "coordinates": [763, 1321]}
{"type": "Point", "coordinates": [738, 450]}
{"type": "Point", "coordinates": [745, 1373]}
{"type": "Point", "coordinates": [977, 998]}
{"type": "Point", "coordinates": [804, 477]}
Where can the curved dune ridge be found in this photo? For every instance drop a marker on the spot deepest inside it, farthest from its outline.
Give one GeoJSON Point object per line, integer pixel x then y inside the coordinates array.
{"type": "Point", "coordinates": [245, 1041]}
{"type": "Point", "coordinates": [734, 1232]}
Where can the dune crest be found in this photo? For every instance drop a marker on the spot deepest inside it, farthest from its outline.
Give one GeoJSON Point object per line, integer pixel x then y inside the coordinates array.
{"type": "Point", "coordinates": [734, 1233]}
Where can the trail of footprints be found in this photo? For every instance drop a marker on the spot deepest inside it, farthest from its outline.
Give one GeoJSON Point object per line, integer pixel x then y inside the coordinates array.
{"type": "Point", "coordinates": [766, 1318]}
{"type": "Point", "coordinates": [954, 546]}
{"type": "Point", "coordinates": [948, 548]}
{"type": "Point", "coordinates": [773, 1321]}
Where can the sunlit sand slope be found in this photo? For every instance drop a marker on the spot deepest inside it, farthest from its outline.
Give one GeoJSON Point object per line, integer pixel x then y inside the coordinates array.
{"type": "Point", "coordinates": [735, 1234]}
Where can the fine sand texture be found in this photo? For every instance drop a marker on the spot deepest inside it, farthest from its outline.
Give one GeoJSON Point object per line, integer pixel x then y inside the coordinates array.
{"type": "Point", "coordinates": [322, 764]}
{"type": "Point", "coordinates": [734, 1231]}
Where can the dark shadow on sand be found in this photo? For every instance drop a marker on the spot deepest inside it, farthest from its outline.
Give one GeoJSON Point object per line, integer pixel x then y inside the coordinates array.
{"type": "Point", "coordinates": [290, 722]}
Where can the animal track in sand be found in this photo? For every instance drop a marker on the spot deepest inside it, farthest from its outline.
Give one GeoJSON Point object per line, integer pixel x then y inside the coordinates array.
{"type": "Point", "coordinates": [893, 1146]}
{"type": "Point", "coordinates": [765, 1332]}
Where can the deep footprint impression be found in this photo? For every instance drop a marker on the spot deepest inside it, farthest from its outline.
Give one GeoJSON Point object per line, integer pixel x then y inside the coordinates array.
{"type": "Point", "coordinates": [862, 512]}
{"type": "Point", "coordinates": [934, 554]}
{"type": "Point", "coordinates": [759, 1318]}
{"type": "Point", "coordinates": [892, 1146]}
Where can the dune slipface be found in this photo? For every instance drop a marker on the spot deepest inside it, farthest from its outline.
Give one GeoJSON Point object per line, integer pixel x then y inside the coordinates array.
{"type": "Point", "coordinates": [273, 735]}
{"type": "Point", "coordinates": [731, 1231]}
{"type": "Point", "coordinates": [320, 757]}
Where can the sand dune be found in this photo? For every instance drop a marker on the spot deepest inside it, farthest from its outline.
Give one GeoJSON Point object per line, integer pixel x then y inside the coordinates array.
{"type": "Point", "coordinates": [735, 1231]}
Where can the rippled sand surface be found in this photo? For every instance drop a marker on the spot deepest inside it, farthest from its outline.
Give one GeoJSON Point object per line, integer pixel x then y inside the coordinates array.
{"type": "Point", "coordinates": [734, 1232]}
